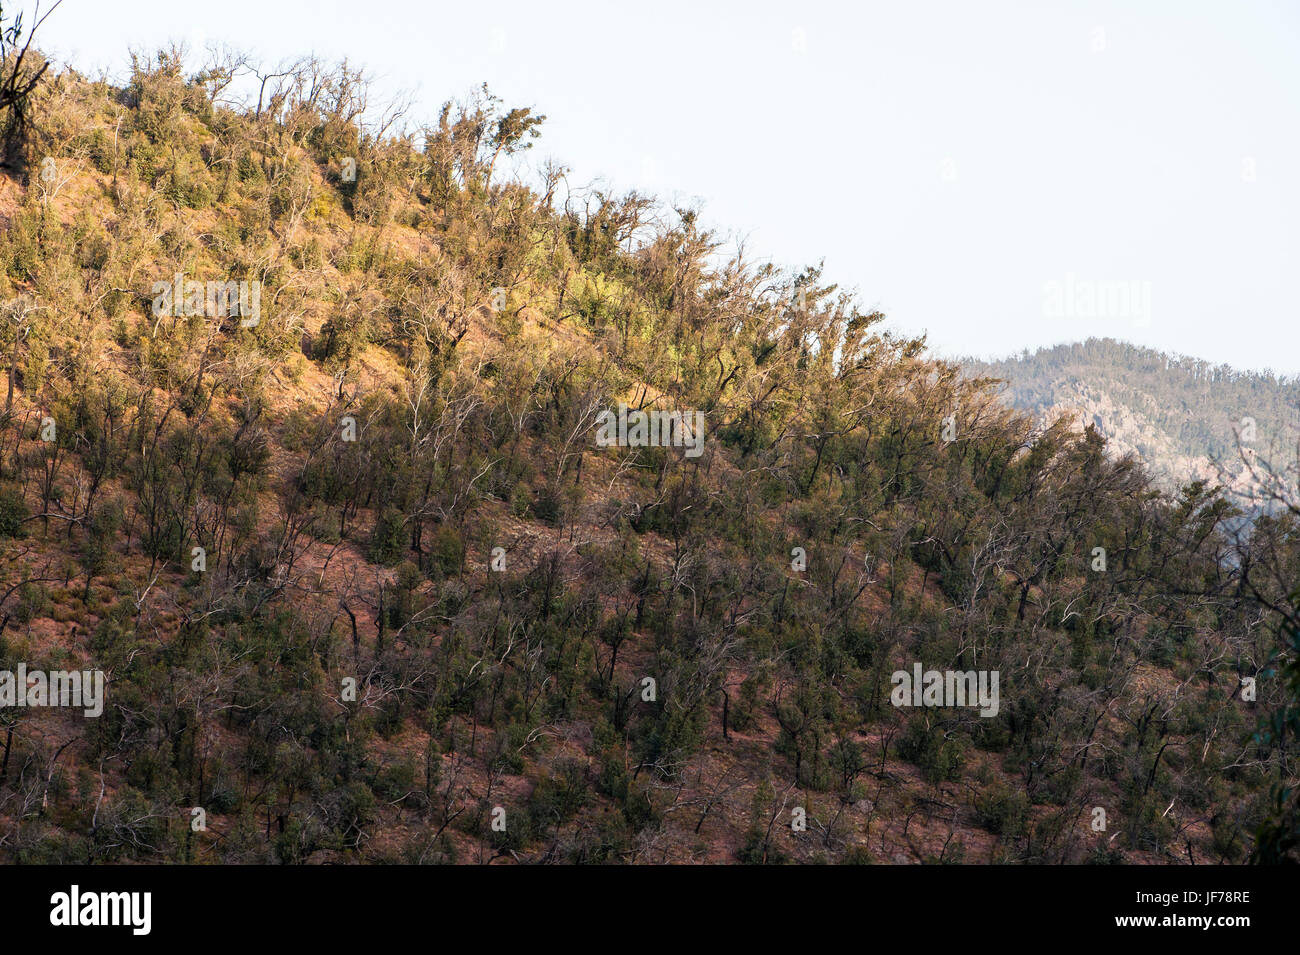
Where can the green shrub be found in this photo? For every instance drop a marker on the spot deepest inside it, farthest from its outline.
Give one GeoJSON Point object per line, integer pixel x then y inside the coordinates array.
{"type": "Point", "coordinates": [13, 511]}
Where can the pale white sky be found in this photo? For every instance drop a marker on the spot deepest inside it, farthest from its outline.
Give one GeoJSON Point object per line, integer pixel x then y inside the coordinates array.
{"type": "Point", "coordinates": [947, 160]}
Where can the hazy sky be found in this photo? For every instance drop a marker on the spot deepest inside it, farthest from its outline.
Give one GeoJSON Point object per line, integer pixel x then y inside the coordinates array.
{"type": "Point", "coordinates": [949, 161]}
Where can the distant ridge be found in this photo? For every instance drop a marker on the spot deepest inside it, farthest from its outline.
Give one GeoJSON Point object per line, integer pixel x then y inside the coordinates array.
{"type": "Point", "coordinates": [1179, 415]}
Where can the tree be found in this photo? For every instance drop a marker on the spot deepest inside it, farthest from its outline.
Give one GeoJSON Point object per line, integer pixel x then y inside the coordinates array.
{"type": "Point", "coordinates": [18, 76]}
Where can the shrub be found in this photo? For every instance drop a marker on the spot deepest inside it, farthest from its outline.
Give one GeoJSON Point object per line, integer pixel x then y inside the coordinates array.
{"type": "Point", "coordinates": [13, 511]}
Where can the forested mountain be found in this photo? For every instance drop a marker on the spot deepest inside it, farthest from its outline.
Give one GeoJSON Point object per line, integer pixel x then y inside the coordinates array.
{"type": "Point", "coordinates": [317, 445]}
{"type": "Point", "coordinates": [1184, 418]}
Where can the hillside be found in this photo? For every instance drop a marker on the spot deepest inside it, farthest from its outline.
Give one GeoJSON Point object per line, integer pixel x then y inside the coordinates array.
{"type": "Point", "coordinates": [1184, 418]}
{"type": "Point", "coordinates": [367, 584]}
